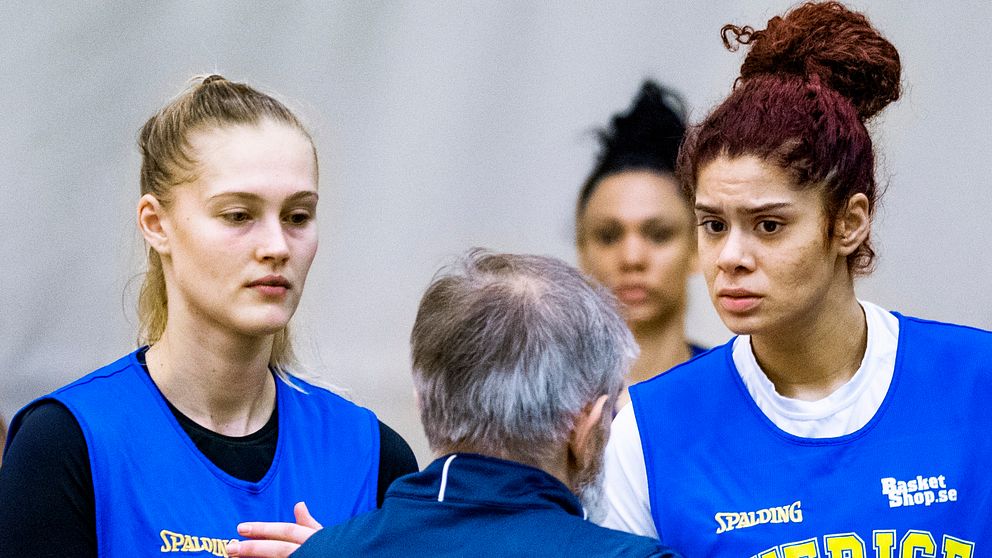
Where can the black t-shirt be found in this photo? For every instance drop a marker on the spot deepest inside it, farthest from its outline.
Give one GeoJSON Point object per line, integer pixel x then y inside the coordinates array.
{"type": "Point", "coordinates": [46, 485]}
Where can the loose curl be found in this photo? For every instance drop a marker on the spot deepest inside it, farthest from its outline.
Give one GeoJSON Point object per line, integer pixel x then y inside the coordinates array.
{"type": "Point", "coordinates": [810, 82]}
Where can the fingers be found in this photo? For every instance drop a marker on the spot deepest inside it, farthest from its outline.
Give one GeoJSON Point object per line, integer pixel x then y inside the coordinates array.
{"type": "Point", "coordinates": [274, 539]}
{"type": "Point", "coordinates": [276, 531]}
{"type": "Point", "coordinates": [303, 516]}
{"type": "Point", "coordinates": [260, 549]}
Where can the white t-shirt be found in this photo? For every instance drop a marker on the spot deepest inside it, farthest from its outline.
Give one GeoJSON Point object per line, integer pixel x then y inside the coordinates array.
{"type": "Point", "coordinates": [844, 411]}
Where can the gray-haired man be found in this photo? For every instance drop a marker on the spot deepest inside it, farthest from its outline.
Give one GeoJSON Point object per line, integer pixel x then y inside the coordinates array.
{"type": "Point", "coordinates": [517, 363]}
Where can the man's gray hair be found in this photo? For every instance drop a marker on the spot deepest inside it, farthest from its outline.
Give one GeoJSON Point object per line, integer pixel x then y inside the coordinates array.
{"type": "Point", "coordinates": [508, 350]}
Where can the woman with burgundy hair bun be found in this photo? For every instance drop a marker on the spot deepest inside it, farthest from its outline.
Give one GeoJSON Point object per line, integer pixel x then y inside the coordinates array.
{"type": "Point", "coordinates": [828, 426]}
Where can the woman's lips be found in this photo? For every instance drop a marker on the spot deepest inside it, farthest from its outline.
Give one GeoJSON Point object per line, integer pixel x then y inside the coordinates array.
{"type": "Point", "coordinates": [738, 301]}
{"type": "Point", "coordinates": [270, 285]}
{"type": "Point", "coordinates": [631, 294]}
{"type": "Point", "coordinates": [270, 290]}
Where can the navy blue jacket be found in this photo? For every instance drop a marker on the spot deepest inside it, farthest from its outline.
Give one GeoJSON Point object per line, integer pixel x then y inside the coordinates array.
{"type": "Point", "coordinates": [472, 505]}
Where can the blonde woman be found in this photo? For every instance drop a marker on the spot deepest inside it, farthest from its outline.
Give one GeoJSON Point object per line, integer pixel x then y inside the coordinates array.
{"type": "Point", "coordinates": [168, 448]}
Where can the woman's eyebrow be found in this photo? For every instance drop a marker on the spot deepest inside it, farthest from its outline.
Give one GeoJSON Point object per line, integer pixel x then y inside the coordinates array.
{"type": "Point", "coordinates": [751, 210]}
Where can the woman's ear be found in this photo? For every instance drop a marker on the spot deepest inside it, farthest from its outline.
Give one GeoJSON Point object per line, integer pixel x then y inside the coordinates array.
{"type": "Point", "coordinates": [151, 218]}
{"type": "Point", "coordinates": [581, 249]}
{"type": "Point", "coordinates": [853, 224]}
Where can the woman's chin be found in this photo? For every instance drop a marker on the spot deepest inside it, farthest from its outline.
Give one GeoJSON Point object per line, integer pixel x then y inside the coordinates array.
{"type": "Point", "coordinates": [647, 316]}
{"type": "Point", "coordinates": [742, 325]}
{"type": "Point", "coordinates": [263, 327]}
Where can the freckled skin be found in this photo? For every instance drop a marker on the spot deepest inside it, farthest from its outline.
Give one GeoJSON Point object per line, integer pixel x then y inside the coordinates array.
{"type": "Point", "coordinates": [636, 232]}
{"type": "Point", "coordinates": [781, 254]}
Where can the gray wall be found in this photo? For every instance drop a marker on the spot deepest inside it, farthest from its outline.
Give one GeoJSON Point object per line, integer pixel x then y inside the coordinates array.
{"type": "Point", "coordinates": [440, 125]}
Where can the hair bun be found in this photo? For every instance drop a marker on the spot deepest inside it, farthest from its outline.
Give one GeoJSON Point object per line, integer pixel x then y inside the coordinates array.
{"type": "Point", "coordinates": [825, 42]}
{"type": "Point", "coordinates": [212, 78]}
{"type": "Point", "coordinates": [651, 129]}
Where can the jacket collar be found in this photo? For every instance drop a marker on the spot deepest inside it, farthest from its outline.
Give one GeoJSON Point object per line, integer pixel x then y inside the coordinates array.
{"type": "Point", "coordinates": [479, 479]}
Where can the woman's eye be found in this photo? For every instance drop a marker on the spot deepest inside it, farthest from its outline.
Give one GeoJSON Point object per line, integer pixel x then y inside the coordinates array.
{"type": "Point", "coordinates": [769, 226]}
{"type": "Point", "coordinates": [236, 216]}
{"type": "Point", "coordinates": [606, 236]}
{"type": "Point", "coordinates": [658, 234]}
{"type": "Point", "coordinates": [712, 226]}
{"type": "Point", "coordinates": [299, 218]}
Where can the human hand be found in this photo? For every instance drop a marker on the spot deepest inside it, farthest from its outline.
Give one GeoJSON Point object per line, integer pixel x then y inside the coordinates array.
{"type": "Point", "coordinates": [274, 539]}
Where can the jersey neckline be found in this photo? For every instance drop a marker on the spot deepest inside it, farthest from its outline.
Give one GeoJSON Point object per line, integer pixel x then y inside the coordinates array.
{"type": "Point", "coordinates": [163, 407]}
{"type": "Point", "coordinates": [752, 405]}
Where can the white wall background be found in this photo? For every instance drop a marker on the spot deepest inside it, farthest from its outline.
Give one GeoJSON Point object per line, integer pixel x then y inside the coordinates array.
{"type": "Point", "coordinates": [440, 126]}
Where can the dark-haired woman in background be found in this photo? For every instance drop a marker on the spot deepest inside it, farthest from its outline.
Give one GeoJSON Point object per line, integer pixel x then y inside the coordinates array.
{"type": "Point", "coordinates": [829, 427]}
{"type": "Point", "coordinates": [167, 449]}
{"type": "Point", "coordinates": [635, 231]}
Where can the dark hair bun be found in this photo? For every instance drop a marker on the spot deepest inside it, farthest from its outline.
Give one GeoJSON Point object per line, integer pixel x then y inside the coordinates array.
{"type": "Point", "coordinates": [648, 134]}
{"type": "Point", "coordinates": [824, 41]}
{"type": "Point", "coordinates": [645, 137]}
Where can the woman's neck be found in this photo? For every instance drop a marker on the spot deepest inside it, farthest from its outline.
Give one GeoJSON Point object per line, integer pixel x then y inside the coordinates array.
{"type": "Point", "coordinates": [662, 347]}
{"type": "Point", "coordinates": [220, 381]}
{"type": "Point", "coordinates": [812, 359]}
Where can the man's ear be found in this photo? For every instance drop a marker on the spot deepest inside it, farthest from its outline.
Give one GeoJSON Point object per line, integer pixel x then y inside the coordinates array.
{"type": "Point", "coordinates": [151, 218]}
{"type": "Point", "coordinates": [416, 399]}
{"type": "Point", "coordinates": [589, 430]}
{"type": "Point", "coordinates": [852, 224]}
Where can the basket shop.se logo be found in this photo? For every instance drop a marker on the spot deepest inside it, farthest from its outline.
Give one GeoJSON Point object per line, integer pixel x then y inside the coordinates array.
{"type": "Point", "coordinates": [919, 491]}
